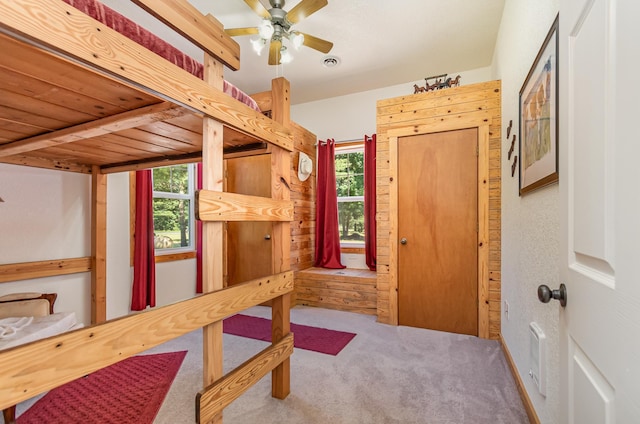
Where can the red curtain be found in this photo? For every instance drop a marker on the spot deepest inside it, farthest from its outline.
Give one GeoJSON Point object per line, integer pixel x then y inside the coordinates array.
{"type": "Point", "coordinates": [327, 236]}
{"type": "Point", "coordinates": [370, 201]}
{"type": "Point", "coordinates": [144, 264]}
{"type": "Point", "coordinates": [199, 235]}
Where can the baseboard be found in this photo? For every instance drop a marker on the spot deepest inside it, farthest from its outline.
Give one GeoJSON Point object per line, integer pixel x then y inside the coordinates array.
{"type": "Point", "coordinates": [528, 405]}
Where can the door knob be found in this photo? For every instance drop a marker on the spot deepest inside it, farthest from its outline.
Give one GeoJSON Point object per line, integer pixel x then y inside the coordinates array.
{"type": "Point", "coordinates": [267, 237]}
{"type": "Point", "coordinates": [545, 294]}
{"type": "Point", "coordinates": [403, 240]}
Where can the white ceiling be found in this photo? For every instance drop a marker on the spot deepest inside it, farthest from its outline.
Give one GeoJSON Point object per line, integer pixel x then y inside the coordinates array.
{"type": "Point", "coordinates": [379, 42]}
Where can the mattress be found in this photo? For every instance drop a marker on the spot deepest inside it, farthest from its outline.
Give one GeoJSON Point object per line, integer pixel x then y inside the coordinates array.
{"type": "Point", "coordinates": [150, 41]}
{"type": "Point", "coordinates": [29, 329]}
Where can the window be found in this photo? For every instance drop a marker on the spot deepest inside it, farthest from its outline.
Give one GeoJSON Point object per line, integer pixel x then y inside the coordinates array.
{"type": "Point", "coordinates": [173, 216]}
{"type": "Point", "coordinates": [350, 188]}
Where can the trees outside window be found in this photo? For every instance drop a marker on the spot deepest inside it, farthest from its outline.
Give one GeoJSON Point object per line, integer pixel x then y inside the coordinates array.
{"type": "Point", "coordinates": [350, 190]}
{"type": "Point", "coordinates": [173, 188]}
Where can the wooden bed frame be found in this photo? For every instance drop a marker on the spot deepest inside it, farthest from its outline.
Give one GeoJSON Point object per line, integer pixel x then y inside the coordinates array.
{"type": "Point", "coordinates": [27, 308]}
{"type": "Point", "coordinates": [119, 107]}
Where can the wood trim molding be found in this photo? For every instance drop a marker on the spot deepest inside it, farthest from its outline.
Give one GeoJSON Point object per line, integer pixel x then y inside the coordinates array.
{"type": "Point", "coordinates": [393, 230]}
{"type": "Point", "coordinates": [178, 256]}
{"type": "Point", "coordinates": [483, 231]}
{"type": "Point", "coordinates": [40, 269]}
{"type": "Point", "coordinates": [356, 250]}
{"type": "Point", "coordinates": [528, 405]}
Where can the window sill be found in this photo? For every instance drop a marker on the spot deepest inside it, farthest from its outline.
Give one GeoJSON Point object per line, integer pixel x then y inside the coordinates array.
{"type": "Point", "coordinates": [351, 248]}
{"type": "Point", "coordinates": [178, 256]}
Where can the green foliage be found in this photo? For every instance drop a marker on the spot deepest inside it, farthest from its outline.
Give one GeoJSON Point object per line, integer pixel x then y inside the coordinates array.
{"type": "Point", "coordinates": [350, 183]}
{"type": "Point", "coordinates": [350, 174]}
{"type": "Point", "coordinates": [172, 214]}
{"type": "Point", "coordinates": [164, 219]}
{"type": "Point", "coordinates": [351, 220]}
{"type": "Point", "coordinates": [171, 179]}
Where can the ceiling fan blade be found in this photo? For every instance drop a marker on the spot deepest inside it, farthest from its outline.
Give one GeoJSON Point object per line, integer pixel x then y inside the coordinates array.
{"type": "Point", "coordinates": [316, 43]}
{"type": "Point", "coordinates": [233, 32]}
{"type": "Point", "coordinates": [257, 7]}
{"type": "Point", "coordinates": [274, 52]}
{"type": "Point", "coordinates": [304, 9]}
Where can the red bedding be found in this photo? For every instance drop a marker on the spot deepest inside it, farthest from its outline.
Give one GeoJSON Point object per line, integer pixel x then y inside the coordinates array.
{"type": "Point", "coordinates": [147, 39]}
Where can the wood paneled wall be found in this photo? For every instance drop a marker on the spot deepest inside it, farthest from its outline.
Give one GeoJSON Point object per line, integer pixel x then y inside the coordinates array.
{"type": "Point", "coordinates": [455, 106]}
{"type": "Point", "coordinates": [352, 290]}
{"type": "Point", "coordinates": [303, 194]}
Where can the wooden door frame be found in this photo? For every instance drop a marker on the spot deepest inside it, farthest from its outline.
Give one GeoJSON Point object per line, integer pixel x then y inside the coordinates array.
{"type": "Point", "coordinates": [483, 212]}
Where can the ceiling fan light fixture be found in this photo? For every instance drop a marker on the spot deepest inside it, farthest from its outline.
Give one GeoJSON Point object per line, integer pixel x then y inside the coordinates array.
{"type": "Point", "coordinates": [258, 45]}
{"type": "Point", "coordinates": [285, 56]}
{"type": "Point", "coordinates": [297, 39]}
{"type": "Point", "coordinates": [274, 29]}
{"type": "Point", "coordinates": [265, 29]}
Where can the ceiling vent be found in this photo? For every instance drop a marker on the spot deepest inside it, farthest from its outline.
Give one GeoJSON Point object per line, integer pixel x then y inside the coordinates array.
{"type": "Point", "coordinates": [330, 61]}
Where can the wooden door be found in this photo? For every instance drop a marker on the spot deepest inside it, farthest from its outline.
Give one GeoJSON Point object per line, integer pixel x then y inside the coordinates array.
{"type": "Point", "coordinates": [438, 219]}
{"type": "Point", "coordinates": [249, 244]}
{"type": "Point", "coordinates": [600, 212]}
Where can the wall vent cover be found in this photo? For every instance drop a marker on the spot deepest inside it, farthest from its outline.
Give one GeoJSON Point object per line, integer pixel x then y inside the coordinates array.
{"type": "Point", "coordinates": [538, 357]}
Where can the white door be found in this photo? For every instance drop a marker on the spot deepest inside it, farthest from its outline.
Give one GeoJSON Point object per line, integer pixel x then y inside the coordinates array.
{"type": "Point", "coordinates": [600, 191]}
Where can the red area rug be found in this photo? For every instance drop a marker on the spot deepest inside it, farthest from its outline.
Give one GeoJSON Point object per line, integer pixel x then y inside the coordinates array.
{"type": "Point", "coordinates": [305, 337]}
{"type": "Point", "coordinates": [130, 391]}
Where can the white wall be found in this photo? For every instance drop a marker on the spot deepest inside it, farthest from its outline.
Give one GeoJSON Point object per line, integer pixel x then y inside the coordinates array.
{"type": "Point", "coordinates": [530, 224]}
{"type": "Point", "coordinates": [175, 281]}
{"type": "Point", "coordinates": [352, 116]}
{"type": "Point", "coordinates": [46, 215]}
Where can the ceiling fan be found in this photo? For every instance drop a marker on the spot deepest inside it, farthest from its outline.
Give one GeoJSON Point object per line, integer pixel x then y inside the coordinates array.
{"type": "Point", "coordinates": [277, 24]}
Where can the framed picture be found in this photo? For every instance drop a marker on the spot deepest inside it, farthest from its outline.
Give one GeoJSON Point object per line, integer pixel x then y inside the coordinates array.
{"type": "Point", "coordinates": [539, 118]}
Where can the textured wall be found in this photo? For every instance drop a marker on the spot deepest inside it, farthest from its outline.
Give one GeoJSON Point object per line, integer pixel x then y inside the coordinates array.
{"type": "Point", "coordinates": [352, 116]}
{"type": "Point", "coordinates": [303, 194]}
{"type": "Point", "coordinates": [46, 215]}
{"type": "Point", "coordinates": [530, 224]}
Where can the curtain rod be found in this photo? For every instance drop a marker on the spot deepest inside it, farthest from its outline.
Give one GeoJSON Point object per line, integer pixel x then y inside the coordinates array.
{"type": "Point", "coordinates": [342, 141]}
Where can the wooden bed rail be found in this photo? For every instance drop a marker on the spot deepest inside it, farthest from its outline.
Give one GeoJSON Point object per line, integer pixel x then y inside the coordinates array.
{"type": "Point", "coordinates": [71, 34]}
{"type": "Point", "coordinates": [211, 400]}
{"type": "Point", "coordinates": [203, 31]}
{"type": "Point", "coordinates": [36, 367]}
{"type": "Point", "coordinates": [264, 100]}
{"type": "Point", "coordinates": [222, 206]}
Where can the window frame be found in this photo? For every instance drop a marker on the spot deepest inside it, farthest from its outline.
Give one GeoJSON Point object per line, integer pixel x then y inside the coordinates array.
{"type": "Point", "coordinates": [352, 147]}
{"type": "Point", "coordinates": [191, 188]}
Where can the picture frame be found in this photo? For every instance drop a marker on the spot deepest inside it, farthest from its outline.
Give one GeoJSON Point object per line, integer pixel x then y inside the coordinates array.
{"type": "Point", "coordinates": [538, 141]}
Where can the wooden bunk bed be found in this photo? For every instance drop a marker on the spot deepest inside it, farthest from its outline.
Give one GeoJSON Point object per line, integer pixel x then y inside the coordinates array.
{"type": "Point", "coordinates": [80, 97]}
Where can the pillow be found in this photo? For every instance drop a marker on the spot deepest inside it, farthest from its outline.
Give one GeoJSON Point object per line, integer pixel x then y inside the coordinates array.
{"type": "Point", "coordinates": [24, 308]}
{"type": "Point", "coordinates": [19, 296]}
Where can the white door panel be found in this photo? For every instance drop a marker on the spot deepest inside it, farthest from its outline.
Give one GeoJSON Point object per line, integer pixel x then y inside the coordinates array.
{"type": "Point", "coordinates": [593, 396]}
{"type": "Point", "coordinates": [600, 194]}
{"type": "Point", "coordinates": [589, 90]}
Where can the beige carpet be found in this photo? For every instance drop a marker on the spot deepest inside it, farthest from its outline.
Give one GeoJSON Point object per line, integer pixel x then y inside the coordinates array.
{"type": "Point", "coordinates": [385, 375]}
